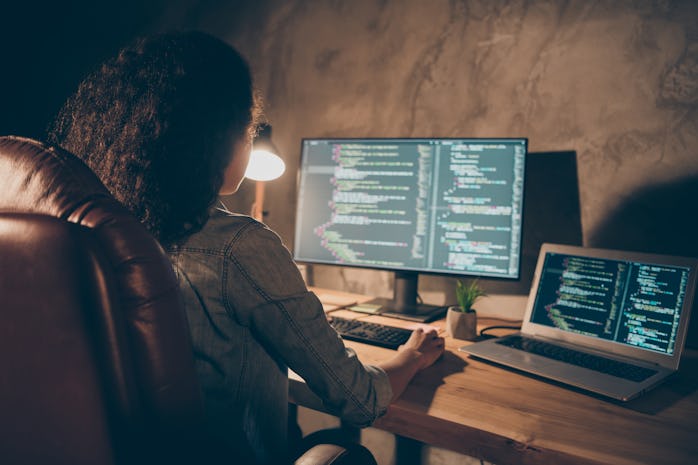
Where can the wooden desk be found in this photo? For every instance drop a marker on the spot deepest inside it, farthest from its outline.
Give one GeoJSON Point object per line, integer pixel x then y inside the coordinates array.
{"type": "Point", "coordinates": [504, 417]}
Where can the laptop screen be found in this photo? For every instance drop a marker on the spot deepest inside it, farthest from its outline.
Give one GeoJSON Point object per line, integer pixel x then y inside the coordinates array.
{"type": "Point", "coordinates": [627, 302]}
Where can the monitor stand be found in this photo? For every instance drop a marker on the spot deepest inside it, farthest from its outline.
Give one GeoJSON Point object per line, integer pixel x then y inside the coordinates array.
{"type": "Point", "coordinates": [404, 303]}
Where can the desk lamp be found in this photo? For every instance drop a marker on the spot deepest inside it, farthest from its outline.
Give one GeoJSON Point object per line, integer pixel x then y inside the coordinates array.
{"type": "Point", "coordinates": [265, 165]}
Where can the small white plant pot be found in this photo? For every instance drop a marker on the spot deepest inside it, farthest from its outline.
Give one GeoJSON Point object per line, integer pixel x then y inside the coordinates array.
{"type": "Point", "coordinates": [461, 325]}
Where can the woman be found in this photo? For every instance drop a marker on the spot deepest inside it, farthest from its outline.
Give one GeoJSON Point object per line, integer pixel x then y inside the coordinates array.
{"type": "Point", "coordinates": [167, 125]}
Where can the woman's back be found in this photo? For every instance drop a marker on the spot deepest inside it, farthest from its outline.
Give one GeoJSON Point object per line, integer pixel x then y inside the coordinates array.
{"type": "Point", "coordinates": [251, 316]}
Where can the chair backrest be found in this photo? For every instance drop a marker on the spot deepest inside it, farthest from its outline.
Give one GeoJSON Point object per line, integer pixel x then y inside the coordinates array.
{"type": "Point", "coordinates": [96, 352]}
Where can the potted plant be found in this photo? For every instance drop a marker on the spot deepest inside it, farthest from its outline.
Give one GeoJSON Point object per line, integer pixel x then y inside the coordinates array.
{"type": "Point", "coordinates": [461, 319]}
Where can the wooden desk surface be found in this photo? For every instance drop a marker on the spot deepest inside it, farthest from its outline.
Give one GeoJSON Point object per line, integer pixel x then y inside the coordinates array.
{"type": "Point", "coordinates": [504, 417]}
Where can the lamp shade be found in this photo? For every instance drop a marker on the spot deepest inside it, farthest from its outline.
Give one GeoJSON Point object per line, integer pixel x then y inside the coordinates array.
{"type": "Point", "coordinates": [265, 164]}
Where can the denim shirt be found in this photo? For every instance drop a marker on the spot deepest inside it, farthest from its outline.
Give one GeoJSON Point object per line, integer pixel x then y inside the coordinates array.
{"type": "Point", "coordinates": [251, 316]}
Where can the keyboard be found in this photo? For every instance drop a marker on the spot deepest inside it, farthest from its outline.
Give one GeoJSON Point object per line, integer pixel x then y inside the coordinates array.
{"type": "Point", "coordinates": [582, 359]}
{"type": "Point", "coordinates": [370, 333]}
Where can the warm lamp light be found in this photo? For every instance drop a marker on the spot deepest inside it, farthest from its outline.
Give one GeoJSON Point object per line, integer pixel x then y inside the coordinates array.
{"type": "Point", "coordinates": [265, 165]}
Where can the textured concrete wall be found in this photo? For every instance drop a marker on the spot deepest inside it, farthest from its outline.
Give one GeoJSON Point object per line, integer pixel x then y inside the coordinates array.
{"type": "Point", "coordinates": [615, 81]}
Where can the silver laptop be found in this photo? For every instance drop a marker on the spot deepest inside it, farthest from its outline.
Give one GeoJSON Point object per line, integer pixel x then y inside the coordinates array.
{"type": "Point", "coordinates": [610, 322]}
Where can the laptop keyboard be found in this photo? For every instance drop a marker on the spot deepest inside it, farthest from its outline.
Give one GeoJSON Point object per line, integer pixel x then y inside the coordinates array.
{"type": "Point", "coordinates": [574, 357]}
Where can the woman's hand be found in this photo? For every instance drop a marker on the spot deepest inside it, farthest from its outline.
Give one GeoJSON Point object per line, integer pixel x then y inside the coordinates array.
{"type": "Point", "coordinates": [426, 344]}
{"type": "Point", "coordinates": [420, 351]}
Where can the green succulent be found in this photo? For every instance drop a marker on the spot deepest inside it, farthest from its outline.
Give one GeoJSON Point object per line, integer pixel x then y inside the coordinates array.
{"type": "Point", "coordinates": [466, 295]}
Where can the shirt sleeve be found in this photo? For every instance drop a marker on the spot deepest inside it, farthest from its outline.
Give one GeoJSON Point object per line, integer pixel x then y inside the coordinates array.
{"type": "Point", "coordinates": [265, 291]}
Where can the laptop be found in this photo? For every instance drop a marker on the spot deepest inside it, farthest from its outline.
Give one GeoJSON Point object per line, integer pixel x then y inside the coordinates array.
{"type": "Point", "coordinates": [606, 321]}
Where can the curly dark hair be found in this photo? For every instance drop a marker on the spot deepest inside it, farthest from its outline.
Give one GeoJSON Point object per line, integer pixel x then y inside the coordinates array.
{"type": "Point", "coordinates": [157, 124]}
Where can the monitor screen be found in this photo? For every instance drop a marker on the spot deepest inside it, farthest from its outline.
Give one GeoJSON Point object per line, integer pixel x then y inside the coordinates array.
{"type": "Point", "coordinates": [432, 205]}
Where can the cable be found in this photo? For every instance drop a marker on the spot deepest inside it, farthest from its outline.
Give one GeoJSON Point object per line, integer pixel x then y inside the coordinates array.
{"type": "Point", "coordinates": [482, 331]}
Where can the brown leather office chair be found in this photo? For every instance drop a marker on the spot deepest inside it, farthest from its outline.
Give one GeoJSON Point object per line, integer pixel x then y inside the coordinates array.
{"type": "Point", "coordinates": [96, 359]}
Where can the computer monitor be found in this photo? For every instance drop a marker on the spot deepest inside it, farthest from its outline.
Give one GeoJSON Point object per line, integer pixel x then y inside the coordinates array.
{"type": "Point", "coordinates": [449, 206]}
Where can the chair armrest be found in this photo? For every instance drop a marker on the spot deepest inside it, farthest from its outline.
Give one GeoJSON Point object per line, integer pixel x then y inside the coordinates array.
{"type": "Point", "coordinates": [332, 454]}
